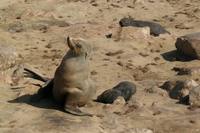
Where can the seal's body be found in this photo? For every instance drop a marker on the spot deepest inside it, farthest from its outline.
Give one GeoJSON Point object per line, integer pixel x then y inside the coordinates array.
{"type": "Point", "coordinates": [71, 84]}
{"type": "Point", "coordinates": [124, 89]}
{"type": "Point", "coordinates": [155, 28]}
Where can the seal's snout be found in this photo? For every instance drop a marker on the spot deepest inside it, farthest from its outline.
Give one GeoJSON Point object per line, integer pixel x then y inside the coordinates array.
{"type": "Point", "coordinates": [68, 39]}
{"type": "Point", "coordinates": [69, 43]}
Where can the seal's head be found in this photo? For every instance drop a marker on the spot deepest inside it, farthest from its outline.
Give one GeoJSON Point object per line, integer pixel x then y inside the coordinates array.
{"type": "Point", "coordinates": [79, 46]}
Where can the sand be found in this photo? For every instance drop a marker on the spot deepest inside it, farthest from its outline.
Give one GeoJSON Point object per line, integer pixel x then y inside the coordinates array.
{"type": "Point", "coordinates": [37, 28]}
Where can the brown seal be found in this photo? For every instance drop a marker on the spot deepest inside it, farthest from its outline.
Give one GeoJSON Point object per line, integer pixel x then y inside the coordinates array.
{"type": "Point", "coordinates": [71, 84]}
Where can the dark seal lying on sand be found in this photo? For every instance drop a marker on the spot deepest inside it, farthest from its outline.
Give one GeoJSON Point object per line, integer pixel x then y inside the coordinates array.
{"type": "Point", "coordinates": [155, 28]}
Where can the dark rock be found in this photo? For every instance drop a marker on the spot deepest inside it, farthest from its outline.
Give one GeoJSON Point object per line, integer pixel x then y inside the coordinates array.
{"type": "Point", "coordinates": [155, 28]}
{"type": "Point", "coordinates": [189, 45]}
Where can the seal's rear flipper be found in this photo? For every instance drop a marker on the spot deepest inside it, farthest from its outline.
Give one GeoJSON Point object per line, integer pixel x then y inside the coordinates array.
{"type": "Point", "coordinates": [75, 111]}
{"type": "Point", "coordinates": [30, 74]}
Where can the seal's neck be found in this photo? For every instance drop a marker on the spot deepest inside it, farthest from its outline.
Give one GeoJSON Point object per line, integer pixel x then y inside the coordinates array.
{"type": "Point", "coordinates": [73, 54]}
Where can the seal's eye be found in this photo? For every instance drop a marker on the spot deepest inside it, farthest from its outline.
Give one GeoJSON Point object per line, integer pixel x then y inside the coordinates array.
{"type": "Point", "coordinates": [78, 45]}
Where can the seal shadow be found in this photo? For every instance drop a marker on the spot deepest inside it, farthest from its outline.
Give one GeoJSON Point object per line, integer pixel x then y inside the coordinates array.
{"type": "Point", "coordinates": [46, 103]}
{"type": "Point", "coordinates": [174, 55]}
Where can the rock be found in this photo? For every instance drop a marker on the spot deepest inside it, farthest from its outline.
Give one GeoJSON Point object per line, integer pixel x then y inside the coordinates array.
{"type": "Point", "coordinates": [119, 101]}
{"type": "Point", "coordinates": [8, 57]}
{"type": "Point", "coordinates": [188, 85]}
{"type": "Point", "coordinates": [189, 45]}
{"type": "Point", "coordinates": [130, 33]}
{"type": "Point", "coordinates": [17, 74]}
{"type": "Point", "coordinates": [179, 89]}
{"type": "Point", "coordinates": [9, 62]}
{"type": "Point", "coordinates": [191, 83]}
{"type": "Point", "coordinates": [194, 97]}
{"type": "Point", "coordinates": [118, 107]}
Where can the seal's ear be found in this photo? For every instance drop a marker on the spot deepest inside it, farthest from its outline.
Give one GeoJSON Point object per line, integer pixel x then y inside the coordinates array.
{"type": "Point", "coordinates": [69, 43]}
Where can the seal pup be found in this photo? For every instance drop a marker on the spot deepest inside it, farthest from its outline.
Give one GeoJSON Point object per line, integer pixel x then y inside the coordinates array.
{"type": "Point", "coordinates": [71, 84]}
{"type": "Point", "coordinates": [124, 89]}
{"type": "Point", "coordinates": [155, 28]}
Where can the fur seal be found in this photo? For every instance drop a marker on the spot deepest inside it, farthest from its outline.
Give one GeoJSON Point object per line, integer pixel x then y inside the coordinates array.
{"type": "Point", "coordinates": [71, 84]}
{"type": "Point", "coordinates": [125, 89]}
{"type": "Point", "coordinates": [155, 28]}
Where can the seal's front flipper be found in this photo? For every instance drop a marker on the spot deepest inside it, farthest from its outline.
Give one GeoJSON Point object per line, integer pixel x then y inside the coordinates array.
{"type": "Point", "coordinates": [75, 111]}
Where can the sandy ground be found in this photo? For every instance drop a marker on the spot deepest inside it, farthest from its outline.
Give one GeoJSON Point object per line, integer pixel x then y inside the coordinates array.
{"type": "Point", "coordinates": [36, 29]}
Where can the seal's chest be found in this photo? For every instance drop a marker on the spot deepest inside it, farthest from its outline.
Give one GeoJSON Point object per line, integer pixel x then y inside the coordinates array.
{"type": "Point", "coordinates": [75, 65]}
